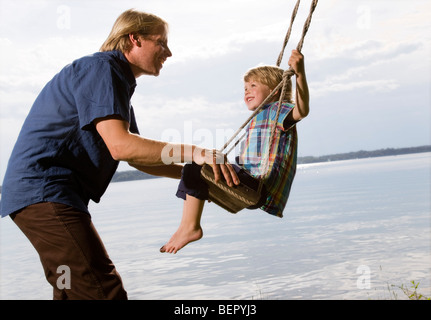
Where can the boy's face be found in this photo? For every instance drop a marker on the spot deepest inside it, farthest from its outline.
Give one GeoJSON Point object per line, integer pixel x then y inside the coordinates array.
{"type": "Point", "coordinates": [254, 93]}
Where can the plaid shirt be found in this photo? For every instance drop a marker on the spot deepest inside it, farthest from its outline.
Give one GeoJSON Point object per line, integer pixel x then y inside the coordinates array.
{"type": "Point", "coordinates": [280, 169]}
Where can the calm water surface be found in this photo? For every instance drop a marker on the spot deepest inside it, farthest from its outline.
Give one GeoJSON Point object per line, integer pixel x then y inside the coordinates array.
{"type": "Point", "coordinates": [351, 229]}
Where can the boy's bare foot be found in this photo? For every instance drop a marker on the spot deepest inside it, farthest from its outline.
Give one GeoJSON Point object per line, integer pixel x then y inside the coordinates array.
{"type": "Point", "coordinates": [181, 238]}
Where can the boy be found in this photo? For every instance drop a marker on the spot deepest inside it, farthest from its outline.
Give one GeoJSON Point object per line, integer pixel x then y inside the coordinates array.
{"type": "Point", "coordinates": [258, 84]}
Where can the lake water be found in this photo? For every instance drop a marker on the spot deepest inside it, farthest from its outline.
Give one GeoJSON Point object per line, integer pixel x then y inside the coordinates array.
{"type": "Point", "coordinates": [351, 230]}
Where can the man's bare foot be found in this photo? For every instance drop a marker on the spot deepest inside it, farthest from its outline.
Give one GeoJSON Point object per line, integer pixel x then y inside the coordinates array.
{"type": "Point", "coordinates": [181, 238]}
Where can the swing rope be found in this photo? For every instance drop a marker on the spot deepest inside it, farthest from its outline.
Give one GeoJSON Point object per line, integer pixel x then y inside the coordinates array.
{"type": "Point", "coordinates": [287, 75]}
{"type": "Point", "coordinates": [286, 38]}
{"type": "Point", "coordinates": [248, 196]}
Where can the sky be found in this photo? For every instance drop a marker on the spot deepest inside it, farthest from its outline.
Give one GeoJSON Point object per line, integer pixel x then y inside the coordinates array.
{"type": "Point", "coordinates": [367, 62]}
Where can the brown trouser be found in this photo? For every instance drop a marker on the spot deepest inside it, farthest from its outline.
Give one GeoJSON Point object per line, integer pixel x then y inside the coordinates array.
{"type": "Point", "coordinates": [73, 256]}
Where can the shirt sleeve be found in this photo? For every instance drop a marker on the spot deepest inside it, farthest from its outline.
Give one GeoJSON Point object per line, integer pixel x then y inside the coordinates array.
{"type": "Point", "coordinates": [101, 91]}
{"type": "Point", "coordinates": [133, 125]}
{"type": "Point", "coordinates": [285, 109]}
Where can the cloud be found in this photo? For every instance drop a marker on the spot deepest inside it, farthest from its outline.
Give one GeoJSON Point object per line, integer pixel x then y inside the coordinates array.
{"type": "Point", "coordinates": [157, 115]}
{"type": "Point", "coordinates": [329, 87]}
{"type": "Point", "coordinates": [360, 57]}
{"type": "Point", "coordinates": [369, 66]}
{"type": "Point", "coordinates": [36, 63]}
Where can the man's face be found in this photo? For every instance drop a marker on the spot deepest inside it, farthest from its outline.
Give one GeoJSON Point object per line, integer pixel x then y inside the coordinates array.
{"type": "Point", "coordinates": [149, 53]}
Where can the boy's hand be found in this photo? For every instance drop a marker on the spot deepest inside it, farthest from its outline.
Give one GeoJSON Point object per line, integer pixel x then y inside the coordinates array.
{"type": "Point", "coordinates": [296, 62]}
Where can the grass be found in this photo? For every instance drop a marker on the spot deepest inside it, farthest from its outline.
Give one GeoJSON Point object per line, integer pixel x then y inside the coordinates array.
{"type": "Point", "coordinates": [412, 291]}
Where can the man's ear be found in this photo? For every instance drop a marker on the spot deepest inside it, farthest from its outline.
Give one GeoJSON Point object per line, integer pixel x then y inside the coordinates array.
{"type": "Point", "coordinates": [134, 39]}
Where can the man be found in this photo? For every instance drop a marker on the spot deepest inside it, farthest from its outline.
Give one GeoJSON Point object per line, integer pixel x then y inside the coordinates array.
{"type": "Point", "coordinates": [80, 126]}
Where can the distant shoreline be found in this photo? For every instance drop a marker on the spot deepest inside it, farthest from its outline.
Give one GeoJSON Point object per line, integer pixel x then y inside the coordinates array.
{"type": "Point", "coordinates": [131, 175]}
{"type": "Point", "coordinates": [364, 154]}
{"type": "Point", "coordinates": [138, 175]}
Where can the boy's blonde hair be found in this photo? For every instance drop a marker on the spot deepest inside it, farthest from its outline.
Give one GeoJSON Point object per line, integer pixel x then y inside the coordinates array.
{"type": "Point", "coordinates": [132, 22]}
{"type": "Point", "coordinates": [270, 76]}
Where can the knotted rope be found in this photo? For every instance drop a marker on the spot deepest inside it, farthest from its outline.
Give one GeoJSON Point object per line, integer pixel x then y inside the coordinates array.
{"type": "Point", "coordinates": [287, 75]}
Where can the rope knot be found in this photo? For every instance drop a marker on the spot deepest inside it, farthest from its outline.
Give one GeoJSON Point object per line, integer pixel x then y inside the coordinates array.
{"type": "Point", "coordinates": [289, 73]}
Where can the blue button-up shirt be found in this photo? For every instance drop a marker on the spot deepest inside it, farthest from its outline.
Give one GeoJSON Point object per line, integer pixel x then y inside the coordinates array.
{"type": "Point", "coordinates": [59, 155]}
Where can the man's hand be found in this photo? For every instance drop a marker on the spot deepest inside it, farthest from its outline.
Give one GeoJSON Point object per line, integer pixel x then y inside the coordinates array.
{"type": "Point", "coordinates": [219, 163]}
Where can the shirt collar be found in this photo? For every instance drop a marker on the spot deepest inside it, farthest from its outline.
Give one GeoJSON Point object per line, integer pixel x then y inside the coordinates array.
{"type": "Point", "coordinates": [130, 77]}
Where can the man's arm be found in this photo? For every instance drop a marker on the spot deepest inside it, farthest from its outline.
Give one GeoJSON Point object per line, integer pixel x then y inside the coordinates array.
{"type": "Point", "coordinates": [168, 171]}
{"type": "Point", "coordinates": [143, 153]}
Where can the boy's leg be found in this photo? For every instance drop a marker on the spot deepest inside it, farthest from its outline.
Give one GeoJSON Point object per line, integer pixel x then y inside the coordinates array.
{"type": "Point", "coordinates": [73, 256]}
{"type": "Point", "coordinates": [190, 227]}
{"type": "Point", "coordinates": [191, 183]}
{"type": "Point", "coordinates": [194, 191]}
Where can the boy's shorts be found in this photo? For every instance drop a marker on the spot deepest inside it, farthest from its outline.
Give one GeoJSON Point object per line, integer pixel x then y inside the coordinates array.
{"type": "Point", "coordinates": [192, 183]}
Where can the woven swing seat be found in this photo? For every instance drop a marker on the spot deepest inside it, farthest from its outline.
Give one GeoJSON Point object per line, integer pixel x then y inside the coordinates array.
{"type": "Point", "coordinates": [232, 199]}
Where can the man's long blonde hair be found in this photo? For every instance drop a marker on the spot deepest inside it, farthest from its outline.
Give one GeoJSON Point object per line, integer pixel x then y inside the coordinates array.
{"type": "Point", "coordinates": [132, 22]}
{"type": "Point", "coordinates": [270, 76]}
